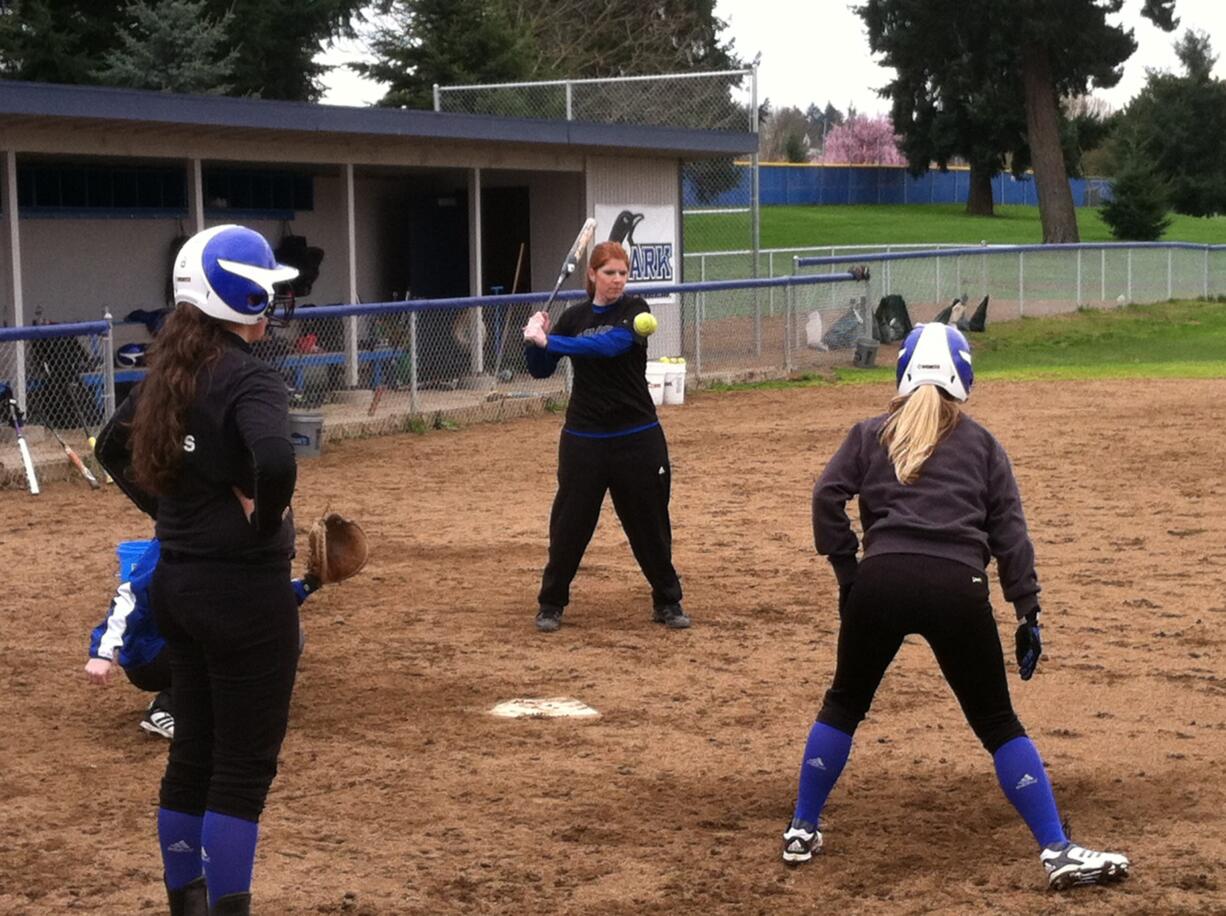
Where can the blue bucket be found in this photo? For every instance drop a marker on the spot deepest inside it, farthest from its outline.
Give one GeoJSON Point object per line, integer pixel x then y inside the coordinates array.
{"type": "Point", "coordinates": [129, 552]}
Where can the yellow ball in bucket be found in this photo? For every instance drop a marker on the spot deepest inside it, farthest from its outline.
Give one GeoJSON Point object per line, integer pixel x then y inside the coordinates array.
{"type": "Point", "coordinates": [645, 324]}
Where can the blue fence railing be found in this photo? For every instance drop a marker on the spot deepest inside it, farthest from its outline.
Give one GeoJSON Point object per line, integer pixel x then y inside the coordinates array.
{"type": "Point", "coordinates": [814, 185]}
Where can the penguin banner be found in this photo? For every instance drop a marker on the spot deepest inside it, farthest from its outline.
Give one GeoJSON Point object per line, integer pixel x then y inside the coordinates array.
{"type": "Point", "coordinates": [649, 234]}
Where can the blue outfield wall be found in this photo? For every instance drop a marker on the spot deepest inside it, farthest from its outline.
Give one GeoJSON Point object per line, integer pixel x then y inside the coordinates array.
{"type": "Point", "coordinates": [813, 185]}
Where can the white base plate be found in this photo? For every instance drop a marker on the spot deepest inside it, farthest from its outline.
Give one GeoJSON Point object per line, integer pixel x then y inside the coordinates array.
{"type": "Point", "coordinates": [543, 708]}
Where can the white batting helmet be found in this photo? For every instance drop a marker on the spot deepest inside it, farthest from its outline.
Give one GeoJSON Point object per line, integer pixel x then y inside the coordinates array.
{"type": "Point", "coordinates": [228, 272]}
{"type": "Point", "coordinates": [936, 354]}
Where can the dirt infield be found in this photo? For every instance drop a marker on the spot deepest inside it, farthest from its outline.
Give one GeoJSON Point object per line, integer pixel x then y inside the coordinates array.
{"type": "Point", "coordinates": [398, 794]}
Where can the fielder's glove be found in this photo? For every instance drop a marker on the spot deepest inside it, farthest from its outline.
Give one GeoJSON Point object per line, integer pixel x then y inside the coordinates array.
{"type": "Point", "coordinates": [1029, 645]}
{"type": "Point", "coordinates": [336, 550]}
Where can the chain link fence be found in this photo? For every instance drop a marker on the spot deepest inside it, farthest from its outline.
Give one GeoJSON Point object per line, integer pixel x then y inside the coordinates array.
{"type": "Point", "coordinates": [55, 380]}
{"type": "Point", "coordinates": [719, 196]}
{"type": "Point", "coordinates": [1015, 281]}
{"type": "Point", "coordinates": [363, 370]}
{"type": "Point", "coordinates": [708, 100]}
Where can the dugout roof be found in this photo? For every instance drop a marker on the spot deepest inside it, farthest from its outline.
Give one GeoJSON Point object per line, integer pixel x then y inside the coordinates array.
{"type": "Point", "coordinates": [46, 105]}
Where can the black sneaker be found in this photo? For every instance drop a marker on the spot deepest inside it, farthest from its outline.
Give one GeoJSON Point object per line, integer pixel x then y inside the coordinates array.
{"type": "Point", "coordinates": [671, 616]}
{"type": "Point", "coordinates": [158, 721]}
{"type": "Point", "coordinates": [548, 618]}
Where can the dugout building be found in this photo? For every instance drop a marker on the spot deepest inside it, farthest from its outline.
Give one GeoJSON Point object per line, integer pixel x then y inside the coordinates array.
{"type": "Point", "coordinates": [99, 186]}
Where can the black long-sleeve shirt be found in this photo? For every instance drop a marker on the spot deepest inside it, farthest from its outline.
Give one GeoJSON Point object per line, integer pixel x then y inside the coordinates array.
{"type": "Point", "coordinates": [610, 393]}
{"type": "Point", "coordinates": [965, 506]}
{"type": "Point", "coordinates": [237, 435]}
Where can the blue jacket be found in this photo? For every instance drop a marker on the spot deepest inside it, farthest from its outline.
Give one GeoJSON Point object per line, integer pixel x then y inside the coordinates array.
{"type": "Point", "coordinates": [128, 635]}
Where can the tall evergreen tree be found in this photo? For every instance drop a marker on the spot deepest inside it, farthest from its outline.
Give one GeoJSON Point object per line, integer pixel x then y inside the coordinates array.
{"type": "Point", "coordinates": [276, 41]}
{"type": "Point", "coordinates": [960, 104]}
{"type": "Point", "coordinates": [1137, 210]}
{"type": "Point", "coordinates": [470, 41]}
{"type": "Point", "coordinates": [1042, 49]}
{"type": "Point", "coordinates": [56, 41]}
{"type": "Point", "coordinates": [1179, 121]}
{"type": "Point", "coordinates": [173, 46]}
{"type": "Point", "coordinates": [449, 42]}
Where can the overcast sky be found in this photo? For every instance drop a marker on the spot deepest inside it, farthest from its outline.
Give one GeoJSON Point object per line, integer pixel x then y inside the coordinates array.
{"type": "Point", "coordinates": [816, 51]}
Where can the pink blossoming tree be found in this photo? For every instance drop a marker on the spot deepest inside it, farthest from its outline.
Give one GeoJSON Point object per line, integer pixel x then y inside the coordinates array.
{"type": "Point", "coordinates": [863, 141]}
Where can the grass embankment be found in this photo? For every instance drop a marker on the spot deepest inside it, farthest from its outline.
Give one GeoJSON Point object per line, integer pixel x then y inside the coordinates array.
{"type": "Point", "coordinates": [1185, 339]}
{"type": "Point", "coordinates": [795, 227]}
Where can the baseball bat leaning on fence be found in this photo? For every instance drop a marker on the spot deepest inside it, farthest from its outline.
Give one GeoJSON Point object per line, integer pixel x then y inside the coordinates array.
{"type": "Point", "coordinates": [375, 398]}
{"type": "Point", "coordinates": [15, 421]}
{"type": "Point", "coordinates": [506, 320]}
{"type": "Point", "coordinates": [582, 240]}
{"type": "Point", "coordinates": [75, 459]}
{"type": "Point", "coordinates": [90, 438]}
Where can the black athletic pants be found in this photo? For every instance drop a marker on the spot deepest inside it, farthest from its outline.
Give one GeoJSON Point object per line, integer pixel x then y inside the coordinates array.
{"type": "Point", "coordinates": [232, 636]}
{"type": "Point", "coordinates": [947, 604]}
{"type": "Point", "coordinates": [634, 470]}
{"type": "Point", "coordinates": [153, 677]}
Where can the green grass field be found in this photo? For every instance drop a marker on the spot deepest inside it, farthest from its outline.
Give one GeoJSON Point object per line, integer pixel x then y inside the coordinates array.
{"type": "Point", "coordinates": [795, 227]}
{"type": "Point", "coordinates": [1185, 339]}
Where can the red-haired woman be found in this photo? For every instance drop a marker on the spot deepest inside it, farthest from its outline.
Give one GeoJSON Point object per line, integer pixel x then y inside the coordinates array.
{"type": "Point", "coordinates": [202, 445]}
{"type": "Point", "coordinates": [611, 441]}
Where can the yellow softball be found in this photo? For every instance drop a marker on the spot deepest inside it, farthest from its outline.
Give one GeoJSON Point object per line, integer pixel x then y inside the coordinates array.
{"type": "Point", "coordinates": [645, 324]}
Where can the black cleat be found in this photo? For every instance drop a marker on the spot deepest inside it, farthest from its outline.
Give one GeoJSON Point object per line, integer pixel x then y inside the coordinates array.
{"type": "Point", "coordinates": [548, 619]}
{"type": "Point", "coordinates": [1068, 865]}
{"type": "Point", "coordinates": [671, 616]}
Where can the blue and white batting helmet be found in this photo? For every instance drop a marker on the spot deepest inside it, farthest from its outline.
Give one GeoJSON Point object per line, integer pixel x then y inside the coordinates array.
{"type": "Point", "coordinates": [936, 354]}
{"type": "Point", "coordinates": [228, 272]}
{"type": "Point", "coordinates": [130, 356]}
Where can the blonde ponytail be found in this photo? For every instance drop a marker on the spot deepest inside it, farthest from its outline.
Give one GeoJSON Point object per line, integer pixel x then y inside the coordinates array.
{"type": "Point", "coordinates": [917, 423]}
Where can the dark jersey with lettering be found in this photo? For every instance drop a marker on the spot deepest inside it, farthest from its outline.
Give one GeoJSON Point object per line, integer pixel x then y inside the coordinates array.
{"type": "Point", "coordinates": [237, 435]}
{"type": "Point", "coordinates": [610, 392]}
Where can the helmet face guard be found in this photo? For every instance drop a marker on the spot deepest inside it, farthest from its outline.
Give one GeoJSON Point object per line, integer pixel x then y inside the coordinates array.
{"type": "Point", "coordinates": [936, 354]}
{"type": "Point", "coordinates": [230, 273]}
{"type": "Point", "coordinates": [281, 309]}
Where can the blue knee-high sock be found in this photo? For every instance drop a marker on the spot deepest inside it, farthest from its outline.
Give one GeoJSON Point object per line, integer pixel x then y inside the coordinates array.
{"type": "Point", "coordinates": [825, 756]}
{"type": "Point", "coordinates": [179, 838]}
{"type": "Point", "coordinates": [1024, 781]}
{"type": "Point", "coordinates": [228, 844]}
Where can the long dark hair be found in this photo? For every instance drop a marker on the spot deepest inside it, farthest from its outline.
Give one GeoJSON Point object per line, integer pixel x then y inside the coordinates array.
{"type": "Point", "coordinates": [188, 341]}
{"type": "Point", "coordinates": [601, 255]}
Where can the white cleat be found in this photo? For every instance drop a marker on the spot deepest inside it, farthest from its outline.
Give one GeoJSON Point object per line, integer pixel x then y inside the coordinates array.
{"type": "Point", "coordinates": [800, 844]}
{"type": "Point", "coordinates": [1069, 865]}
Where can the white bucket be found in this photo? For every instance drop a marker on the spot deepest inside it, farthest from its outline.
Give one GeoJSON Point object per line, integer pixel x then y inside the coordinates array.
{"type": "Point", "coordinates": [656, 374]}
{"type": "Point", "coordinates": [674, 385]}
{"type": "Point", "coordinates": [306, 432]}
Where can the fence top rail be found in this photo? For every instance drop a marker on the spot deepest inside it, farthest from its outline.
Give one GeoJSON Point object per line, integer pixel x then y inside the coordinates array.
{"type": "Point", "coordinates": [46, 331]}
{"type": "Point", "coordinates": [909, 246]}
{"type": "Point", "coordinates": [654, 290]}
{"type": "Point", "coordinates": [1009, 249]}
{"type": "Point", "coordinates": [589, 80]}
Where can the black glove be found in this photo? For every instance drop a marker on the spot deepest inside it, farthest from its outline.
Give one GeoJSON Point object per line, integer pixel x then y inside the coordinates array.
{"type": "Point", "coordinates": [1029, 645]}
